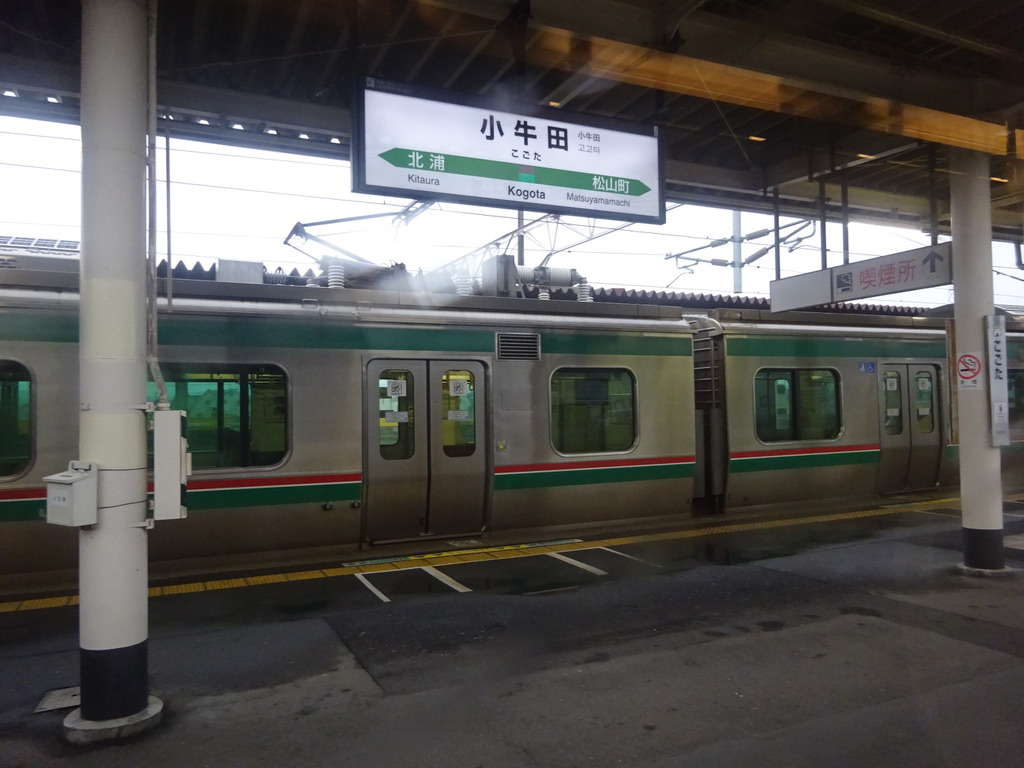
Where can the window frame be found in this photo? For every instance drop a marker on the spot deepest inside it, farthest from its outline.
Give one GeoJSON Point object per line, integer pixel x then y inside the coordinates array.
{"type": "Point", "coordinates": [634, 394]}
{"type": "Point", "coordinates": [794, 399]}
{"type": "Point", "coordinates": [1016, 419]}
{"type": "Point", "coordinates": [172, 369]}
{"type": "Point", "coordinates": [33, 391]}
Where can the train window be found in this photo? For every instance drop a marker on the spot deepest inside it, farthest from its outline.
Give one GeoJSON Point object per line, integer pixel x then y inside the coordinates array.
{"type": "Point", "coordinates": [397, 417]}
{"type": "Point", "coordinates": [893, 396]}
{"type": "Point", "coordinates": [458, 413]}
{"type": "Point", "coordinates": [1015, 389]}
{"type": "Point", "coordinates": [924, 403]}
{"type": "Point", "coordinates": [796, 404]}
{"type": "Point", "coordinates": [15, 418]}
{"type": "Point", "coordinates": [593, 410]}
{"type": "Point", "coordinates": [237, 414]}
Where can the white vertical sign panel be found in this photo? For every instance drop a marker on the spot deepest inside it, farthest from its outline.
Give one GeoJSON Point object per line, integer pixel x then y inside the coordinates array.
{"type": "Point", "coordinates": [999, 396]}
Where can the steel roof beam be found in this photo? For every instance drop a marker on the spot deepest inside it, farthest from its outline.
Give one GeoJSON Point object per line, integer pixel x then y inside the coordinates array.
{"type": "Point", "coordinates": [759, 51]}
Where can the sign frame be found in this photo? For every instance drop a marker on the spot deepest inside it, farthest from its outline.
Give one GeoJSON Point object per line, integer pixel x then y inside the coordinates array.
{"type": "Point", "coordinates": [545, 186]}
{"type": "Point", "coordinates": [998, 378]}
{"type": "Point", "coordinates": [880, 276]}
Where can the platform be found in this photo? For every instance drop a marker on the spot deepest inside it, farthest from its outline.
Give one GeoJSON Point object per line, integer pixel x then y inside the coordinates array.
{"type": "Point", "coordinates": [839, 640]}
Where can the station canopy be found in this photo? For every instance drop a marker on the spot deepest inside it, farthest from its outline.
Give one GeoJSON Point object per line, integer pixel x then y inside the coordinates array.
{"type": "Point", "coordinates": [834, 100]}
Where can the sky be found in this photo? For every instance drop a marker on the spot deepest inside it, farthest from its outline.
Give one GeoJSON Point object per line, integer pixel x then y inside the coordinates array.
{"type": "Point", "coordinates": [229, 203]}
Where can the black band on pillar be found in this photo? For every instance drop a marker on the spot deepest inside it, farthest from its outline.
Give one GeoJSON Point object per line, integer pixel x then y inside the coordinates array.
{"type": "Point", "coordinates": [115, 682]}
{"type": "Point", "coordinates": [983, 549]}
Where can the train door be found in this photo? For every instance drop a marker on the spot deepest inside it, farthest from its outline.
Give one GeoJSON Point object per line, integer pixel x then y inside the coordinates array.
{"type": "Point", "coordinates": [426, 465]}
{"type": "Point", "coordinates": [911, 444]}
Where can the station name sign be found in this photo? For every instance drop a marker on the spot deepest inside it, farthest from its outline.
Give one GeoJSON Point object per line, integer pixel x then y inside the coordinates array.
{"type": "Point", "coordinates": [512, 156]}
{"type": "Point", "coordinates": [927, 267]}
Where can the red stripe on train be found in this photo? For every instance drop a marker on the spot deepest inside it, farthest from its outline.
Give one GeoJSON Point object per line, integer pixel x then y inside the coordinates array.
{"type": "Point", "coordinates": [803, 451]}
{"type": "Point", "coordinates": [607, 464]}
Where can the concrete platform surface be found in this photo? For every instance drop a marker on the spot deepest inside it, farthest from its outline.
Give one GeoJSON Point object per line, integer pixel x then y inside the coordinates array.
{"type": "Point", "coordinates": [873, 651]}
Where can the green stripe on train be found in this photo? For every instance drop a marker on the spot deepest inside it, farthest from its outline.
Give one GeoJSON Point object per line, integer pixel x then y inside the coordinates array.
{"type": "Point", "coordinates": [28, 509]}
{"type": "Point", "coordinates": [54, 326]}
{"type": "Point", "coordinates": [567, 477]}
{"type": "Point", "coordinates": [38, 325]}
{"type": "Point", "coordinates": [802, 461]}
{"type": "Point", "coordinates": [568, 343]}
{"type": "Point", "coordinates": [304, 334]}
{"type": "Point", "coordinates": [35, 509]}
{"type": "Point", "coordinates": [263, 496]}
{"type": "Point", "coordinates": [826, 347]}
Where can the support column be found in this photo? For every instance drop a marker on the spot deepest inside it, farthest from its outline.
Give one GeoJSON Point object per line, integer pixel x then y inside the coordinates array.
{"type": "Point", "coordinates": [980, 475]}
{"type": "Point", "coordinates": [113, 560]}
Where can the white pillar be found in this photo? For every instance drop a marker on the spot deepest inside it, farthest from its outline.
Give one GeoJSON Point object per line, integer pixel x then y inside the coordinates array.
{"type": "Point", "coordinates": [737, 252]}
{"type": "Point", "coordinates": [980, 477]}
{"type": "Point", "coordinates": [113, 563]}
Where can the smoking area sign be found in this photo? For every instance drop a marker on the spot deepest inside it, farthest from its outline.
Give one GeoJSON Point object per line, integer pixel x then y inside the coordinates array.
{"type": "Point", "coordinates": [927, 267]}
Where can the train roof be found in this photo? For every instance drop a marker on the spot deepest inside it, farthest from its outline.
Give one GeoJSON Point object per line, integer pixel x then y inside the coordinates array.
{"type": "Point", "coordinates": [53, 265]}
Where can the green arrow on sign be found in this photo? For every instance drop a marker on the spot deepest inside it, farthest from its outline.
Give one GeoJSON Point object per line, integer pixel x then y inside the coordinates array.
{"type": "Point", "coordinates": [434, 162]}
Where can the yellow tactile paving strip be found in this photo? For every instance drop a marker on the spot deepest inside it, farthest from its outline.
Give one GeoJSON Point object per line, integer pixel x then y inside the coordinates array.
{"type": "Point", "coordinates": [493, 553]}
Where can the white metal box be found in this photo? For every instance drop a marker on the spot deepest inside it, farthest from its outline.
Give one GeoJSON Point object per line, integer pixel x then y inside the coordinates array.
{"type": "Point", "coordinates": [71, 496]}
{"type": "Point", "coordinates": [171, 465]}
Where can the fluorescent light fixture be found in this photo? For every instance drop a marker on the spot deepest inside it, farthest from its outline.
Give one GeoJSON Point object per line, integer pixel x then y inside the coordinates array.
{"type": "Point", "coordinates": [757, 138]}
{"type": "Point", "coordinates": [303, 136]}
{"type": "Point", "coordinates": [10, 93]}
{"type": "Point", "coordinates": [203, 121]}
{"type": "Point", "coordinates": [237, 127]}
{"type": "Point", "coordinates": [996, 178]}
{"type": "Point", "coordinates": [53, 99]}
{"type": "Point", "coordinates": [271, 131]}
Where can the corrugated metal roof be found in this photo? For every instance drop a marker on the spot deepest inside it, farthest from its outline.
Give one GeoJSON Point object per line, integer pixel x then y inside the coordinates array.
{"type": "Point", "coordinates": [859, 94]}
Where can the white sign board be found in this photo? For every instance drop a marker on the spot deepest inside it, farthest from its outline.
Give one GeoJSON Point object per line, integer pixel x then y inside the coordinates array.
{"type": "Point", "coordinates": [537, 159]}
{"type": "Point", "coordinates": [998, 379]}
{"type": "Point", "coordinates": [927, 267]}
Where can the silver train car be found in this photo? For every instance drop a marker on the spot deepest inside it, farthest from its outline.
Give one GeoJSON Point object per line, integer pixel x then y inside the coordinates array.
{"type": "Point", "coordinates": [323, 421]}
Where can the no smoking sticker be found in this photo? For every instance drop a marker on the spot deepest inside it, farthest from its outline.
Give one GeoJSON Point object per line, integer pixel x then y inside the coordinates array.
{"type": "Point", "coordinates": [968, 369]}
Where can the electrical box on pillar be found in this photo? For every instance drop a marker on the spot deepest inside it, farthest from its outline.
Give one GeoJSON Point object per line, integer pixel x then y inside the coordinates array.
{"type": "Point", "coordinates": [172, 464]}
{"type": "Point", "coordinates": [72, 496]}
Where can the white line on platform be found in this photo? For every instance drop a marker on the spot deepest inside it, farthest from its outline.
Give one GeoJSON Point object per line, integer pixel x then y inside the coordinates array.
{"type": "Point", "coordinates": [577, 563]}
{"type": "Point", "coordinates": [1014, 542]}
{"type": "Point", "coordinates": [631, 557]}
{"type": "Point", "coordinates": [369, 586]}
{"type": "Point", "coordinates": [447, 580]}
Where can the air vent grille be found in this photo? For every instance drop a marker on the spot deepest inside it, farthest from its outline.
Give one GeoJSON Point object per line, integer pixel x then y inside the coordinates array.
{"type": "Point", "coordinates": [518, 346]}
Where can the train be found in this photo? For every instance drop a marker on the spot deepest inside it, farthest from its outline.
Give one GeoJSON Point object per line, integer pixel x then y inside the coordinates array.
{"type": "Point", "coordinates": [331, 423]}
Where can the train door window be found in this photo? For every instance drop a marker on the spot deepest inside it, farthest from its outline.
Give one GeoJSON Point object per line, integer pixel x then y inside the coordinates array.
{"type": "Point", "coordinates": [237, 414]}
{"type": "Point", "coordinates": [458, 413]}
{"type": "Point", "coordinates": [893, 396]}
{"type": "Point", "coordinates": [397, 417]}
{"type": "Point", "coordinates": [924, 402]}
{"type": "Point", "coordinates": [796, 404]}
{"type": "Point", "coordinates": [15, 418]}
{"type": "Point", "coordinates": [593, 410]}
